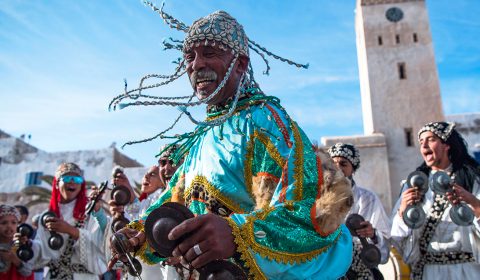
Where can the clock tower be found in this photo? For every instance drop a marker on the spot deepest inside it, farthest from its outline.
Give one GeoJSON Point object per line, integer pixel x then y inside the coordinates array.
{"type": "Point", "coordinates": [398, 79]}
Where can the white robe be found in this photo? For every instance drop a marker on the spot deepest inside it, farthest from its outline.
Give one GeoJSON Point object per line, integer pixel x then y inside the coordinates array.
{"type": "Point", "coordinates": [368, 205]}
{"type": "Point", "coordinates": [448, 237]}
{"type": "Point", "coordinates": [88, 250]}
{"type": "Point", "coordinates": [133, 211]}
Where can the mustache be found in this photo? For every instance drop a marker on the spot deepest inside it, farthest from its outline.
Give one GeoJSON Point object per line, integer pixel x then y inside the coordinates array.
{"type": "Point", "coordinates": [202, 75]}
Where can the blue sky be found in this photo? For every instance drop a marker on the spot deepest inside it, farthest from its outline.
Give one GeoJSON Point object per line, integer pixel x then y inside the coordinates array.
{"type": "Point", "coordinates": [61, 62]}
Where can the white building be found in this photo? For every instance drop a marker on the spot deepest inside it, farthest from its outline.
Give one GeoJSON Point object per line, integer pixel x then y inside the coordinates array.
{"type": "Point", "coordinates": [22, 164]}
{"type": "Point", "coordinates": [400, 93]}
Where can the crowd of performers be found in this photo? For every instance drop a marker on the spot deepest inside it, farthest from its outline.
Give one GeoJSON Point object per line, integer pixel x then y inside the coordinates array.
{"type": "Point", "coordinates": [247, 196]}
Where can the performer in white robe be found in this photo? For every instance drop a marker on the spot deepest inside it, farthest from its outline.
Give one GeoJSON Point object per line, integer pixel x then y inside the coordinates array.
{"type": "Point", "coordinates": [366, 203]}
{"type": "Point", "coordinates": [441, 249]}
{"type": "Point", "coordinates": [154, 183]}
{"type": "Point", "coordinates": [82, 255]}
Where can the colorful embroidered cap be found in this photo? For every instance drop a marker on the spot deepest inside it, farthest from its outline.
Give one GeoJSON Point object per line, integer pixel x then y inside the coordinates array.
{"type": "Point", "coordinates": [442, 130]}
{"type": "Point", "coordinates": [6, 210]}
{"type": "Point", "coordinates": [68, 167]}
{"type": "Point", "coordinates": [348, 151]}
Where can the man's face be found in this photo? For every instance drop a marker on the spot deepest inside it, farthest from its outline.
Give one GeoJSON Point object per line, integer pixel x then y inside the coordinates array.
{"type": "Point", "coordinates": [151, 180]}
{"type": "Point", "coordinates": [434, 151]}
{"type": "Point", "coordinates": [68, 187]}
{"type": "Point", "coordinates": [8, 227]}
{"type": "Point", "coordinates": [344, 165]}
{"type": "Point", "coordinates": [166, 168]}
{"type": "Point", "coordinates": [206, 68]}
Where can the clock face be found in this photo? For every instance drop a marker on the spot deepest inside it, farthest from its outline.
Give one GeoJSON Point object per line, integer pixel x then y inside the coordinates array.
{"type": "Point", "coordinates": [394, 14]}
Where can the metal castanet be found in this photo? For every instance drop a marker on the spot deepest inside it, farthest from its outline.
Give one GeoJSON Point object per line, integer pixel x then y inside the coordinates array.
{"type": "Point", "coordinates": [24, 251]}
{"type": "Point", "coordinates": [370, 254]}
{"type": "Point", "coordinates": [222, 270]}
{"type": "Point", "coordinates": [461, 214]}
{"type": "Point", "coordinates": [55, 241]}
{"type": "Point", "coordinates": [121, 196]}
{"type": "Point", "coordinates": [414, 216]}
{"type": "Point", "coordinates": [162, 220]}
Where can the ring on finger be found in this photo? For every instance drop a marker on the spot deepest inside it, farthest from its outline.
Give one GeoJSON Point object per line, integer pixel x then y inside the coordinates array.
{"type": "Point", "coordinates": [197, 250]}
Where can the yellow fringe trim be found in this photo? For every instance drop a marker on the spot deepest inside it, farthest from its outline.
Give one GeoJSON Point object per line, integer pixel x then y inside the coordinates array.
{"type": "Point", "coordinates": [213, 191]}
{"type": "Point", "coordinates": [298, 164]}
{"type": "Point", "coordinates": [270, 147]}
{"type": "Point", "coordinates": [248, 165]}
{"type": "Point", "coordinates": [281, 257]}
{"type": "Point", "coordinates": [254, 270]}
{"type": "Point", "coordinates": [136, 225]}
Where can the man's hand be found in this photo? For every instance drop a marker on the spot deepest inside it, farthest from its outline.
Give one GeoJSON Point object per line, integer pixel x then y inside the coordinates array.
{"type": "Point", "coordinates": [460, 194]}
{"type": "Point", "coordinates": [10, 256]}
{"type": "Point", "coordinates": [210, 234]}
{"type": "Point", "coordinates": [60, 225]}
{"type": "Point", "coordinates": [21, 239]}
{"type": "Point", "coordinates": [409, 197]}
{"type": "Point", "coordinates": [135, 240]}
{"type": "Point", "coordinates": [93, 194]}
{"type": "Point", "coordinates": [366, 230]}
{"type": "Point", "coordinates": [115, 209]}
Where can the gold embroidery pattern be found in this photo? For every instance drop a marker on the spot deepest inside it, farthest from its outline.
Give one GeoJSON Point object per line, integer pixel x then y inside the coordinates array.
{"type": "Point", "coordinates": [254, 271]}
{"type": "Point", "coordinates": [298, 168]}
{"type": "Point", "coordinates": [282, 257]}
{"type": "Point", "coordinates": [248, 164]}
{"type": "Point", "coordinates": [313, 210]}
{"type": "Point", "coordinates": [213, 191]}
{"type": "Point", "coordinates": [270, 147]}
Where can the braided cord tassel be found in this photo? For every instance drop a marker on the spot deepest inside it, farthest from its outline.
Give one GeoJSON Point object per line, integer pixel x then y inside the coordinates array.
{"type": "Point", "coordinates": [278, 57]}
{"type": "Point", "coordinates": [169, 20]}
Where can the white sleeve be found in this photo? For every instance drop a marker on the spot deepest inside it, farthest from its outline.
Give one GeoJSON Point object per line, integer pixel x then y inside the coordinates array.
{"type": "Point", "coordinates": [91, 247]}
{"type": "Point", "coordinates": [475, 227]}
{"type": "Point", "coordinates": [42, 254]}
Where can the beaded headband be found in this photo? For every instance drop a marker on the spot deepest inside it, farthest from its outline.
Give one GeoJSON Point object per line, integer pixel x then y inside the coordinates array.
{"type": "Point", "coordinates": [347, 151]}
{"type": "Point", "coordinates": [68, 167]}
{"type": "Point", "coordinates": [6, 210]}
{"type": "Point", "coordinates": [442, 130]}
{"type": "Point", "coordinates": [218, 28]}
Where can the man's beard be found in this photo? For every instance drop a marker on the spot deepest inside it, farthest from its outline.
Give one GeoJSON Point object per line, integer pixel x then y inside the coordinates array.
{"type": "Point", "coordinates": [200, 76]}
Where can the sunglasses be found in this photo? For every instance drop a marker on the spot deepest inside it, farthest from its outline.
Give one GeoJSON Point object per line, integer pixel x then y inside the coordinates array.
{"type": "Point", "coordinates": [74, 179]}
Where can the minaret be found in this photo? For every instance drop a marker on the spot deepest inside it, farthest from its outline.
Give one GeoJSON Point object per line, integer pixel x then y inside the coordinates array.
{"type": "Point", "coordinates": [398, 78]}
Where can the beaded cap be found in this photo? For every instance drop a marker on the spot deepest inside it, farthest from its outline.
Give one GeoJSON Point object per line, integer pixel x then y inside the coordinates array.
{"type": "Point", "coordinates": [218, 27]}
{"type": "Point", "coordinates": [167, 150]}
{"type": "Point", "coordinates": [348, 151]}
{"type": "Point", "coordinates": [442, 130]}
{"type": "Point", "coordinates": [68, 167]}
{"type": "Point", "coordinates": [6, 210]}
